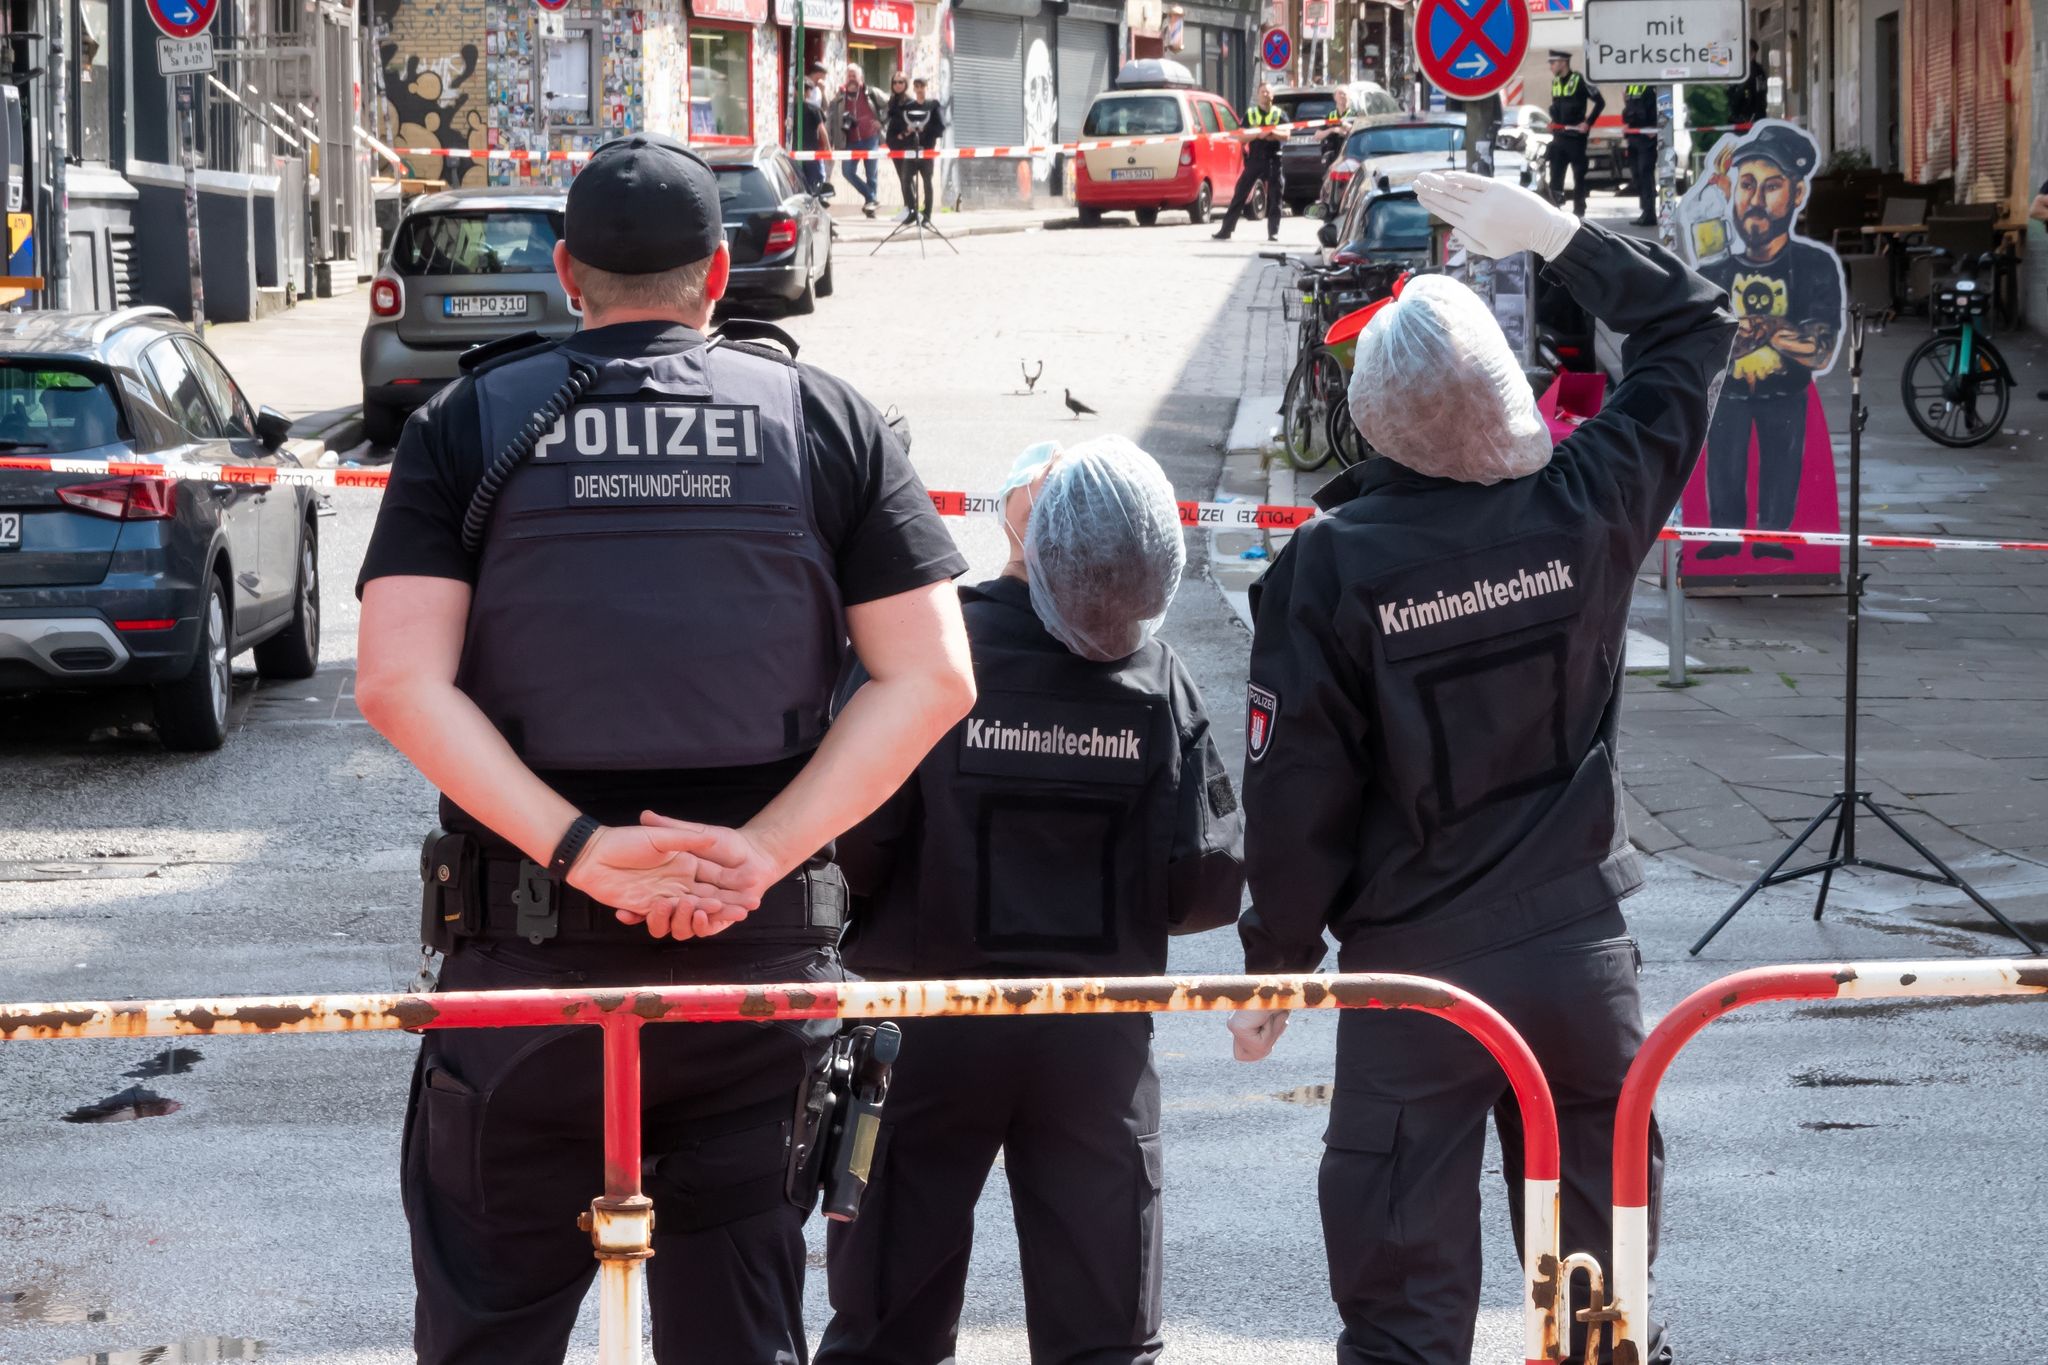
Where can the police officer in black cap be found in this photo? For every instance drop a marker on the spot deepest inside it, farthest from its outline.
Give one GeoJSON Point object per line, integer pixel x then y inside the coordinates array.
{"type": "Point", "coordinates": [1077, 817]}
{"type": "Point", "coordinates": [1575, 106]}
{"type": "Point", "coordinates": [1435, 689]}
{"type": "Point", "coordinates": [605, 606]}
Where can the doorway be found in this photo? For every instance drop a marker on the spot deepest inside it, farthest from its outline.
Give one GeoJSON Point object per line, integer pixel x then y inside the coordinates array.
{"type": "Point", "coordinates": [1888, 89]}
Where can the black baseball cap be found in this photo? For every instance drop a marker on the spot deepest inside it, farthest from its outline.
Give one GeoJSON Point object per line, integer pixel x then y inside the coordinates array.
{"type": "Point", "coordinates": [1786, 148]}
{"type": "Point", "coordinates": [1559, 55]}
{"type": "Point", "coordinates": [643, 204]}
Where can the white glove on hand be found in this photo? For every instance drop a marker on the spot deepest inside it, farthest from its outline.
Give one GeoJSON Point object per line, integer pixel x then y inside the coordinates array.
{"type": "Point", "coordinates": [1253, 1033]}
{"type": "Point", "coordinates": [1495, 218]}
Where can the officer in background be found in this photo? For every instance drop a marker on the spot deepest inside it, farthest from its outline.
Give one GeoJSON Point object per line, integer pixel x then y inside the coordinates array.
{"type": "Point", "coordinates": [613, 581]}
{"type": "Point", "coordinates": [1435, 685]}
{"type": "Point", "coordinates": [1076, 818]}
{"type": "Point", "coordinates": [1261, 166]}
{"type": "Point", "coordinates": [1639, 119]}
{"type": "Point", "coordinates": [1575, 106]}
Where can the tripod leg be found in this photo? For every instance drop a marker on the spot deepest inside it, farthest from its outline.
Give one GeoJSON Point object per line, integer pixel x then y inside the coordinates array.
{"type": "Point", "coordinates": [1955, 879]}
{"type": "Point", "coordinates": [1834, 858]}
{"type": "Point", "coordinates": [1769, 872]}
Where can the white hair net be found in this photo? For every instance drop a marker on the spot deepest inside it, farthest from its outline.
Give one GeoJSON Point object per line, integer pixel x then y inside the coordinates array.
{"type": "Point", "coordinates": [1103, 549]}
{"type": "Point", "coordinates": [1436, 388]}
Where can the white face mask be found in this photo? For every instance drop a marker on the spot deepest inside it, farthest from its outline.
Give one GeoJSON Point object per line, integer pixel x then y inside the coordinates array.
{"type": "Point", "coordinates": [1025, 470]}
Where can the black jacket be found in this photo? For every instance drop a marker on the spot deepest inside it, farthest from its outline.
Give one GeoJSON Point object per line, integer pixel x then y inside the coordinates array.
{"type": "Point", "coordinates": [1639, 109]}
{"type": "Point", "coordinates": [1436, 666]}
{"type": "Point", "coordinates": [1078, 816]}
{"type": "Point", "coordinates": [1574, 99]}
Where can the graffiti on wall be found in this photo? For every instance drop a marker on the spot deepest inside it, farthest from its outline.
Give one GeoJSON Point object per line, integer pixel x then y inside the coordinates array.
{"type": "Point", "coordinates": [431, 105]}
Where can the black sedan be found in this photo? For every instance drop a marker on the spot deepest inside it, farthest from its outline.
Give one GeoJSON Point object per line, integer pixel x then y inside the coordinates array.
{"type": "Point", "coordinates": [133, 578]}
{"type": "Point", "coordinates": [778, 232]}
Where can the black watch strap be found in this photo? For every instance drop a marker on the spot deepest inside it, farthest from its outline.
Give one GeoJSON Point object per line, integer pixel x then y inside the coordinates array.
{"type": "Point", "coordinates": [572, 844]}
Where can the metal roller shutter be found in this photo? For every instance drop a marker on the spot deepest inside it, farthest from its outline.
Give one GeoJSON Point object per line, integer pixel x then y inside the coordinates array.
{"type": "Point", "coordinates": [988, 80]}
{"type": "Point", "coordinates": [1084, 71]}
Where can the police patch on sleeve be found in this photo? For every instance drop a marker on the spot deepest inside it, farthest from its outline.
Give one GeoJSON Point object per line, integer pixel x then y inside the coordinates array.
{"type": "Point", "coordinates": [1261, 714]}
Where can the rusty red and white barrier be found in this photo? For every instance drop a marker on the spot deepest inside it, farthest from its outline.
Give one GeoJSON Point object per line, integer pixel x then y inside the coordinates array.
{"type": "Point", "coordinates": [621, 1219]}
{"type": "Point", "coordinates": [1840, 981]}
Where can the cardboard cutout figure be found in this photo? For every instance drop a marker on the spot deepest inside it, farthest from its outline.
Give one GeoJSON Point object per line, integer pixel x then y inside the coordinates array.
{"type": "Point", "coordinates": [1769, 462]}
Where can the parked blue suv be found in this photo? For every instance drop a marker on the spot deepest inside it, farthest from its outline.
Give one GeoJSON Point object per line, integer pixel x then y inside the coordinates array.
{"type": "Point", "coordinates": [139, 579]}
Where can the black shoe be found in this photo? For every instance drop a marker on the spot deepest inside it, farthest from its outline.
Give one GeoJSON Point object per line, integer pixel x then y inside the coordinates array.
{"type": "Point", "coordinates": [1644, 220]}
{"type": "Point", "coordinates": [1220, 235]}
{"type": "Point", "coordinates": [1765, 550]}
{"type": "Point", "coordinates": [868, 210]}
{"type": "Point", "coordinates": [1579, 209]}
{"type": "Point", "coordinates": [1272, 236]}
{"type": "Point", "coordinates": [1718, 549]}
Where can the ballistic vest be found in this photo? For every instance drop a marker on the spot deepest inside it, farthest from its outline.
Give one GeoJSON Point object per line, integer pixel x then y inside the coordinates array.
{"type": "Point", "coordinates": [652, 591]}
{"type": "Point", "coordinates": [1044, 819]}
{"type": "Point", "coordinates": [1568, 99]}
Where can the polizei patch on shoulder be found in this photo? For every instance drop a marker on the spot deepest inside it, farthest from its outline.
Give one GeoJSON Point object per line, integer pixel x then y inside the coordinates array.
{"type": "Point", "coordinates": [1262, 712]}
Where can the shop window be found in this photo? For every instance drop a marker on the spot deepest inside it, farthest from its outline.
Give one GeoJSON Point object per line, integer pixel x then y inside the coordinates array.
{"type": "Point", "coordinates": [721, 83]}
{"type": "Point", "coordinates": [572, 77]}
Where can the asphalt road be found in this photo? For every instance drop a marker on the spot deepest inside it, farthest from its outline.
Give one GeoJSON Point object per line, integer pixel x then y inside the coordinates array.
{"type": "Point", "coordinates": [1845, 1182]}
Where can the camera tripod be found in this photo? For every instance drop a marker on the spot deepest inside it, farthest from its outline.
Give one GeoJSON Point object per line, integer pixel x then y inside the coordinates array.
{"type": "Point", "coordinates": [922, 225]}
{"type": "Point", "coordinates": [1845, 804]}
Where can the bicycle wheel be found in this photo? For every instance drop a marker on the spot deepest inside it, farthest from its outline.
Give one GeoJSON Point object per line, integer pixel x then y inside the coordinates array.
{"type": "Point", "coordinates": [1346, 439]}
{"type": "Point", "coordinates": [1954, 409]}
{"type": "Point", "coordinates": [1301, 443]}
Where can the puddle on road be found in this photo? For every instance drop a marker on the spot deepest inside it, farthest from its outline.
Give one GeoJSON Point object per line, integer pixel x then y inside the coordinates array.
{"type": "Point", "coordinates": [190, 1351]}
{"type": "Point", "coordinates": [40, 1305]}
{"type": "Point", "coordinates": [133, 1103]}
{"type": "Point", "coordinates": [1305, 1094]}
{"type": "Point", "coordinates": [172, 1061]}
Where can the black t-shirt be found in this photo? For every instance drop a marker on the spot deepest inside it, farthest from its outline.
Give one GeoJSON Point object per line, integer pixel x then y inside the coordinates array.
{"type": "Point", "coordinates": [1803, 285]}
{"type": "Point", "coordinates": [870, 506]}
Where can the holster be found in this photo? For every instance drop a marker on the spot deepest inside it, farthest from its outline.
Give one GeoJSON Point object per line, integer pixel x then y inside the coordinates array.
{"type": "Point", "coordinates": [451, 890]}
{"type": "Point", "coordinates": [839, 1117]}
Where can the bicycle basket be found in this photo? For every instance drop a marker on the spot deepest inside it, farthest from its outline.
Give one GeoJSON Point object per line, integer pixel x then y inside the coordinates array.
{"type": "Point", "coordinates": [1295, 306]}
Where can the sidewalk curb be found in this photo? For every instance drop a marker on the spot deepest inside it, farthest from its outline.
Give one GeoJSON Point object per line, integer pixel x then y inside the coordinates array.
{"type": "Point", "coordinates": [335, 429]}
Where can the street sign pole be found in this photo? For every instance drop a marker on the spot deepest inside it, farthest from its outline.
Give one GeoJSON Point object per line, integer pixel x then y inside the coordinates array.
{"type": "Point", "coordinates": [191, 159]}
{"type": "Point", "coordinates": [57, 249]}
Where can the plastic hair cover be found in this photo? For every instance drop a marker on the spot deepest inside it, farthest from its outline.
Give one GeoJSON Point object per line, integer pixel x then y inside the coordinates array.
{"type": "Point", "coordinates": [1104, 549]}
{"type": "Point", "coordinates": [1436, 388]}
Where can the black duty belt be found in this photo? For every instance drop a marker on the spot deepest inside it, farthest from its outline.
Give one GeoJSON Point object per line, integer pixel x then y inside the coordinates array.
{"type": "Point", "coordinates": [809, 907]}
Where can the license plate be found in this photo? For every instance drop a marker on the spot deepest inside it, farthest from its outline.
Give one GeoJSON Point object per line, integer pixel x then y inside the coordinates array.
{"type": "Point", "coordinates": [10, 530]}
{"type": "Point", "coordinates": [1132, 173]}
{"type": "Point", "coordinates": [483, 306]}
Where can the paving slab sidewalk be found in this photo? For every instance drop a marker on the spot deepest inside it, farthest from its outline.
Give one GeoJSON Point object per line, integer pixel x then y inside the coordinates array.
{"type": "Point", "coordinates": [1723, 773]}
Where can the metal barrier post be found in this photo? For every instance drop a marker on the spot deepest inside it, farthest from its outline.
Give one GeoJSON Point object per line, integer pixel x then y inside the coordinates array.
{"type": "Point", "coordinates": [1674, 616]}
{"type": "Point", "coordinates": [621, 1221]}
{"type": "Point", "coordinates": [1840, 981]}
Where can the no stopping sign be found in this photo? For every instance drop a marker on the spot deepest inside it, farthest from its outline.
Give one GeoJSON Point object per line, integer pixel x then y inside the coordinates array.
{"type": "Point", "coordinates": [1470, 48]}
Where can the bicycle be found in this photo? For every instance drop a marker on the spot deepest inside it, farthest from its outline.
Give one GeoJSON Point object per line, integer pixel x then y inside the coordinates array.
{"type": "Point", "coordinates": [1314, 410]}
{"type": "Point", "coordinates": [1953, 376]}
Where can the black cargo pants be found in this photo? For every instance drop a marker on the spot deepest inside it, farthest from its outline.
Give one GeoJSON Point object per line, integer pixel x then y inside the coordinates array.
{"type": "Point", "coordinates": [1407, 1138]}
{"type": "Point", "coordinates": [1568, 151]}
{"type": "Point", "coordinates": [503, 1149]}
{"type": "Point", "coordinates": [1073, 1106]}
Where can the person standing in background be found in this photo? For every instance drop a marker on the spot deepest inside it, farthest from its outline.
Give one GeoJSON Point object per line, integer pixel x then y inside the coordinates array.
{"type": "Point", "coordinates": [856, 117]}
{"type": "Point", "coordinates": [901, 138]}
{"type": "Point", "coordinates": [1575, 106]}
{"type": "Point", "coordinates": [1261, 165]}
{"type": "Point", "coordinates": [928, 121]}
{"type": "Point", "coordinates": [1639, 119]}
{"type": "Point", "coordinates": [811, 132]}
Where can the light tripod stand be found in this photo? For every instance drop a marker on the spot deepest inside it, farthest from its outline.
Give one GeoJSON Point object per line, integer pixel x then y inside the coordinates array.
{"type": "Point", "coordinates": [918, 221]}
{"type": "Point", "coordinates": [1843, 806]}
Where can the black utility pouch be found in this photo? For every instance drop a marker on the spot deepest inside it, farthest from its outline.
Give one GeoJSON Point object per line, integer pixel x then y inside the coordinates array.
{"type": "Point", "coordinates": [451, 890]}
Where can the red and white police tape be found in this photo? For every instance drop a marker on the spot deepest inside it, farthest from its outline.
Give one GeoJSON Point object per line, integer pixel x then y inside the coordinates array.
{"type": "Point", "coordinates": [518, 155]}
{"type": "Point", "coordinates": [1212, 516]}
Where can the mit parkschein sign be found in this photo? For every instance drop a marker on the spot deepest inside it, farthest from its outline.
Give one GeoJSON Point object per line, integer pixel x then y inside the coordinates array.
{"type": "Point", "coordinates": [1649, 41]}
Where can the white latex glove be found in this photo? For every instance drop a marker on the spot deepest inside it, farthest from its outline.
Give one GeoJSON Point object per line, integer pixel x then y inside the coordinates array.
{"type": "Point", "coordinates": [1253, 1033]}
{"type": "Point", "coordinates": [1494, 217]}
